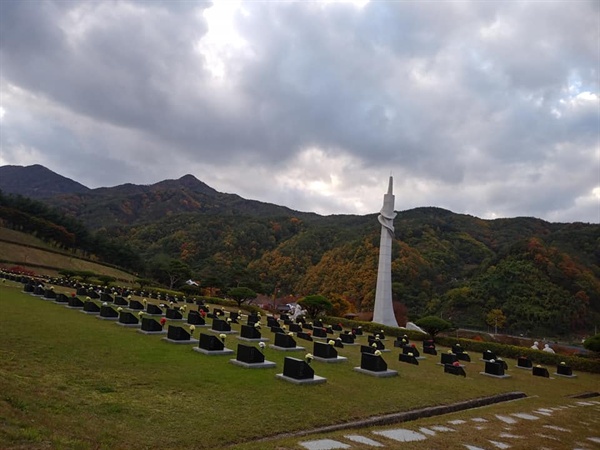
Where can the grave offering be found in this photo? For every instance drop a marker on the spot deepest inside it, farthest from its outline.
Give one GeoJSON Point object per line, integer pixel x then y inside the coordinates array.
{"type": "Point", "coordinates": [374, 365]}
{"type": "Point", "coordinates": [194, 318]}
{"type": "Point", "coordinates": [494, 369]}
{"type": "Point", "coordinates": [523, 362]}
{"type": "Point", "coordinates": [154, 310]}
{"type": "Point", "coordinates": [298, 371]}
{"type": "Point", "coordinates": [107, 313]}
{"type": "Point", "coordinates": [304, 335]}
{"type": "Point", "coordinates": [135, 305]}
{"type": "Point", "coordinates": [326, 352]}
{"type": "Point", "coordinates": [75, 303]}
{"type": "Point", "coordinates": [562, 370]}
{"type": "Point", "coordinates": [179, 335]}
{"type": "Point", "coordinates": [488, 355]}
{"type": "Point", "coordinates": [90, 307]}
{"type": "Point", "coordinates": [128, 319]}
{"type": "Point", "coordinates": [251, 333]}
{"type": "Point", "coordinates": [151, 326]}
{"type": "Point", "coordinates": [539, 371]}
{"type": "Point", "coordinates": [285, 342]}
{"type": "Point", "coordinates": [250, 357]}
{"type": "Point", "coordinates": [209, 344]}
{"type": "Point", "coordinates": [408, 358]}
{"type": "Point", "coordinates": [454, 370]}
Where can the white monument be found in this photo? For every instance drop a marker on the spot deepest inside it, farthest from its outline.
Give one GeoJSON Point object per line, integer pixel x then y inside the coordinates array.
{"type": "Point", "coordinates": [384, 311]}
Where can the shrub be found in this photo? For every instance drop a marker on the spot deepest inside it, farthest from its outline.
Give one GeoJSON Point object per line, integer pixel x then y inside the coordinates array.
{"type": "Point", "coordinates": [593, 343]}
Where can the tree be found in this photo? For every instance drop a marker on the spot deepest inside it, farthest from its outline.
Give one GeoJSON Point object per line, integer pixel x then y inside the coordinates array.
{"type": "Point", "coordinates": [433, 325]}
{"type": "Point", "coordinates": [593, 343]}
{"type": "Point", "coordinates": [177, 270]}
{"type": "Point", "coordinates": [315, 305]}
{"type": "Point", "coordinates": [143, 282]}
{"type": "Point", "coordinates": [106, 279]}
{"type": "Point", "coordinates": [86, 275]}
{"type": "Point", "coordinates": [495, 318]}
{"type": "Point", "coordinates": [241, 294]}
{"type": "Point", "coordinates": [67, 273]}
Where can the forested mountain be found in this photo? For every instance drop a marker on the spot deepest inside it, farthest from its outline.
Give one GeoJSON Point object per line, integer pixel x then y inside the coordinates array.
{"type": "Point", "coordinates": [36, 182]}
{"type": "Point", "coordinates": [544, 276]}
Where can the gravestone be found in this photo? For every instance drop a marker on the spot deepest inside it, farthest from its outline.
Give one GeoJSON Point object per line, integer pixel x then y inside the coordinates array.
{"type": "Point", "coordinates": [337, 327]}
{"type": "Point", "coordinates": [329, 329]}
{"type": "Point", "coordinates": [29, 288]}
{"type": "Point", "coordinates": [234, 317]}
{"type": "Point", "coordinates": [249, 354]}
{"type": "Point", "coordinates": [408, 358]}
{"type": "Point", "coordinates": [494, 369]}
{"type": "Point", "coordinates": [324, 351]}
{"type": "Point", "coordinates": [154, 310]}
{"type": "Point", "coordinates": [378, 344]}
{"type": "Point", "coordinates": [410, 349]}
{"type": "Point", "coordinates": [93, 295]}
{"type": "Point", "coordinates": [523, 362]}
{"type": "Point", "coordinates": [220, 325]}
{"type": "Point", "coordinates": [151, 326]}
{"type": "Point", "coordinates": [319, 332]}
{"type": "Point", "coordinates": [284, 341]}
{"type": "Point", "coordinates": [307, 326]}
{"type": "Point", "coordinates": [374, 365]}
{"type": "Point", "coordinates": [347, 338]}
{"type": "Point", "coordinates": [297, 369]}
{"type": "Point", "coordinates": [128, 318]}
{"type": "Point", "coordinates": [448, 358]}
{"type": "Point", "coordinates": [210, 342]}
{"type": "Point", "coordinates": [106, 312]}
{"type": "Point", "coordinates": [277, 329]}
{"type": "Point", "coordinates": [174, 314]}
{"type": "Point", "coordinates": [104, 297]}
{"type": "Point", "coordinates": [488, 355]}
{"type": "Point", "coordinates": [463, 356]}
{"type": "Point", "coordinates": [457, 348]}
{"type": "Point", "coordinates": [176, 333]}
{"type": "Point", "coordinates": [75, 302]}
{"type": "Point", "coordinates": [120, 301]}
{"type": "Point", "coordinates": [318, 323]}
{"type": "Point", "coordinates": [194, 318]}
{"type": "Point", "coordinates": [250, 332]}
{"type": "Point", "coordinates": [294, 327]}
{"type": "Point", "coordinates": [252, 319]}
{"type": "Point", "coordinates": [272, 322]}
{"type": "Point", "coordinates": [337, 342]}
{"type": "Point", "coordinates": [49, 294]}
{"type": "Point", "coordinates": [82, 291]}
{"type": "Point", "coordinates": [91, 307]}
{"type": "Point", "coordinates": [454, 370]}
{"type": "Point", "coordinates": [367, 349]}
{"type": "Point", "coordinates": [562, 370]}
{"type": "Point", "coordinates": [539, 371]}
{"type": "Point", "coordinates": [135, 305]}
{"type": "Point", "coordinates": [304, 335]}
{"type": "Point", "coordinates": [300, 319]}
{"type": "Point", "coordinates": [61, 298]}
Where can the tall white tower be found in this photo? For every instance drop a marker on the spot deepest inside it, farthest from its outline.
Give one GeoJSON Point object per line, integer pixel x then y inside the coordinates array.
{"type": "Point", "coordinates": [384, 310]}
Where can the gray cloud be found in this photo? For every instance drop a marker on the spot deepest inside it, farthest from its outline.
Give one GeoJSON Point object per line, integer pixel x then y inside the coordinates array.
{"type": "Point", "coordinates": [469, 104]}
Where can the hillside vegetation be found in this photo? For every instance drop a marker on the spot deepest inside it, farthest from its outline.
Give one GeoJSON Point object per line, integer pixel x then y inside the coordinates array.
{"type": "Point", "coordinates": [544, 277]}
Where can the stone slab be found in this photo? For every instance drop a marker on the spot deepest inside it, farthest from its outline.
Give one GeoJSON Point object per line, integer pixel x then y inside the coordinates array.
{"type": "Point", "coordinates": [401, 435]}
{"type": "Point", "coordinates": [129, 325]}
{"type": "Point", "coordinates": [323, 444]}
{"type": "Point", "coordinates": [564, 376]}
{"type": "Point", "coordinates": [287, 349]}
{"type": "Point", "coordinates": [262, 339]}
{"type": "Point", "coordinates": [90, 313]}
{"type": "Point", "coordinates": [222, 332]}
{"type": "Point", "coordinates": [384, 374]}
{"type": "Point", "coordinates": [152, 332]}
{"type": "Point", "coordinates": [74, 307]}
{"type": "Point", "coordinates": [339, 359]}
{"type": "Point", "coordinates": [263, 365]}
{"type": "Point", "coordinates": [362, 440]}
{"type": "Point", "coordinates": [225, 351]}
{"type": "Point", "coordinates": [524, 368]}
{"type": "Point", "coordinates": [106, 318]}
{"type": "Point", "coordinates": [316, 380]}
{"type": "Point", "coordinates": [173, 341]}
{"type": "Point", "coordinates": [494, 376]}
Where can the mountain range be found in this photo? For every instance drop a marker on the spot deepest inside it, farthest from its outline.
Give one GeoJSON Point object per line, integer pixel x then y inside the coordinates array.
{"type": "Point", "coordinates": [544, 276]}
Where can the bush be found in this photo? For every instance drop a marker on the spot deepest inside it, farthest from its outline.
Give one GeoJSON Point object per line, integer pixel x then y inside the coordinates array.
{"type": "Point", "coordinates": [375, 328]}
{"type": "Point", "coordinates": [593, 343]}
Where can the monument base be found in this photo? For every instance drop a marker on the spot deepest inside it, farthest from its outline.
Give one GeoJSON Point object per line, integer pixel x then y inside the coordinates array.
{"type": "Point", "coordinates": [263, 365]}
{"type": "Point", "coordinates": [316, 380]}
{"type": "Point", "coordinates": [383, 374]}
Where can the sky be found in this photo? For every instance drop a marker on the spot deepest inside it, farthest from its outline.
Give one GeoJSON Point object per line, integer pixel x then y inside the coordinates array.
{"type": "Point", "coordinates": [489, 108]}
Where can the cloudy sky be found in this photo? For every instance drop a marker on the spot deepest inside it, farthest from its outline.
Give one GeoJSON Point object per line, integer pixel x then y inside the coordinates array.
{"type": "Point", "coordinates": [489, 108]}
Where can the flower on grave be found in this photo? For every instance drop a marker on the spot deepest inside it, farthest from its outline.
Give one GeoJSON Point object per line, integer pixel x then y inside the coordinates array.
{"type": "Point", "coordinates": [331, 342]}
{"type": "Point", "coordinates": [538, 366]}
{"type": "Point", "coordinates": [88, 299]}
{"type": "Point", "coordinates": [171, 303]}
{"type": "Point", "coordinates": [290, 334]}
{"type": "Point", "coordinates": [410, 354]}
{"type": "Point", "coordinates": [181, 309]}
{"type": "Point", "coordinates": [360, 327]}
{"type": "Point", "coordinates": [192, 328]}
{"type": "Point", "coordinates": [377, 353]}
{"type": "Point", "coordinates": [257, 325]}
{"type": "Point", "coordinates": [104, 303]}
{"type": "Point", "coordinates": [492, 360]}
{"type": "Point", "coordinates": [119, 309]}
{"type": "Point", "coordinates": [310, 323]}
{"type": "Point", "coordinates": [308, 358]}
{"type": "Point", "coordinates": [144, 301]}
{"type": "Point", "coordinates": [141, 313]}
{"type": "Point", "coordinates": [283, 327]}
{"type": "Point", "coordinates": [449, 352]}
{"type": "Point", "coordinates": [222, 336]}
{"type": "Point", "coordinates": [374, 345]}
{"type": "Point", "coordinates": [381, 331]}
{"type": "Point", "coordinates": [456, 364]}
{"type": "Point", "coordinates": [129, 297]}
{"type": "Point", "coordinates": [229, 320]}
{"type": "Point", "coordinates": [562, 363]}
{"type": "Point", "coordinates": [261, 344]}
{"type": "Point", "coordinates": [163, 321]}
{"type": "Point", "coordinates": [239, 312]}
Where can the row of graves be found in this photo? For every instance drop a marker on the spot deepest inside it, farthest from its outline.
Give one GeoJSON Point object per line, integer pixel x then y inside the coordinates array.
{"type": "Point", "coordinates": [177, 322]}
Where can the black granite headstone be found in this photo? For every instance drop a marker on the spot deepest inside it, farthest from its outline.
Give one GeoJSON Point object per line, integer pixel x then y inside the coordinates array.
{"type": "Point", "coordinates": [29, 288]}
{"type": "Point", "coordinates": [149, 324]}
{"type": "Point", "coordinates": [448, 358]}
{"type": "Point", "coordinates": [272, 322]}
{"type": "Point", "coordinates": [173, 313]}
{"type": "Point", "coordinates": [153, 309]}
{"type": "Point", "coordinates": [367, 349]}
{"type": "Point", "coordinates": [410, 359]}
{"type": "Point", "coordinates": [128, 318]}
{"type": "Point", "coordinates": [250, 332]}
{"type": "Point", "coordinates": [297, 369]}
{"type": "Point", "coordinates": [135, 305]}
{"type": "Point", "coordinates": [410, 349]}
{"type": "Point", "coordinates": [252, 319]}
{"type": "Point", "coordinates": [210, 342]}
{"type": "Point", "coordinates": [319, 332]}
{"type": "Point", "coordinates": [249, 354]}
{"type": "Point", "coordinates": [430, 351]}
{"type": "Point", "coordinates": [176, 333]}
{"type": "Point", "coordinates": [120, 301]}
{"type": "Point", "coordinates": [524, 361]}
{"type": "Point", "coordinates": [107, 311]}
{"type": "Point", "coordinates": [194, 318]}
{"type": "Point", "coordinates": [488, 355]}
{"type": "Point", "coordinates": [295, 327]}
{"type": "Point", "coordinates": [93, 294]}
{"type": "Point", "coordinates": [284, 340]}
{"type": "Point", "coordinates": [457, 348]}
{"type": "Point", "coordinates": [82, 291]}
{"type": "Point", "coordinates": [494, 368]}
{"type": "Point", "coordinates": [378, 344]}
{"type": "Point", "coordinates": [307, 326]}
{"type": "Point", "coordinates": [75, 302]}
{"type": "Point", "coordinates": [277, 330]}
{"type": "Point", "coordinates": [540, 372]}
{"type": "Point", "coordinates": [347, 338]}
{"type": "Point", "coordinates": [454, 370]}
{"type": "Point", "coordinates": [91, 306]}
{"type": "Point", "coordinates": [323, 350]}
{"type": "Point", "coordinates": [104, 297]}
{"type": "Point", "coordinates": [337, 327]}
{"type": "Point", "coordinates": [220, 325]}
{"type": "Point", "coordinates": [565, 370]}
{"type": "Point", "coordinates": [372, 362]}
{"type": "Point", "coordinates": [49, 293]}
{"type": "Point", "coordinates": [303, 335]}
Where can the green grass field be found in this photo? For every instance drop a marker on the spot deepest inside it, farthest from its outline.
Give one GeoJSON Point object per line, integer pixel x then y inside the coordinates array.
{"type": "Point", "coordinates": [68, 380]}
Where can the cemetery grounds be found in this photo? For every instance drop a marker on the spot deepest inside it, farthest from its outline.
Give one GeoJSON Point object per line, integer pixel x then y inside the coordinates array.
{"type": "Point", "coordinates": [70, 381]}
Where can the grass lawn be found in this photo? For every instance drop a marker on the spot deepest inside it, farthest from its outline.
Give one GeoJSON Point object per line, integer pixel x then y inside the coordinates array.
{"type": "Point", "coordinates": [68, 380]}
